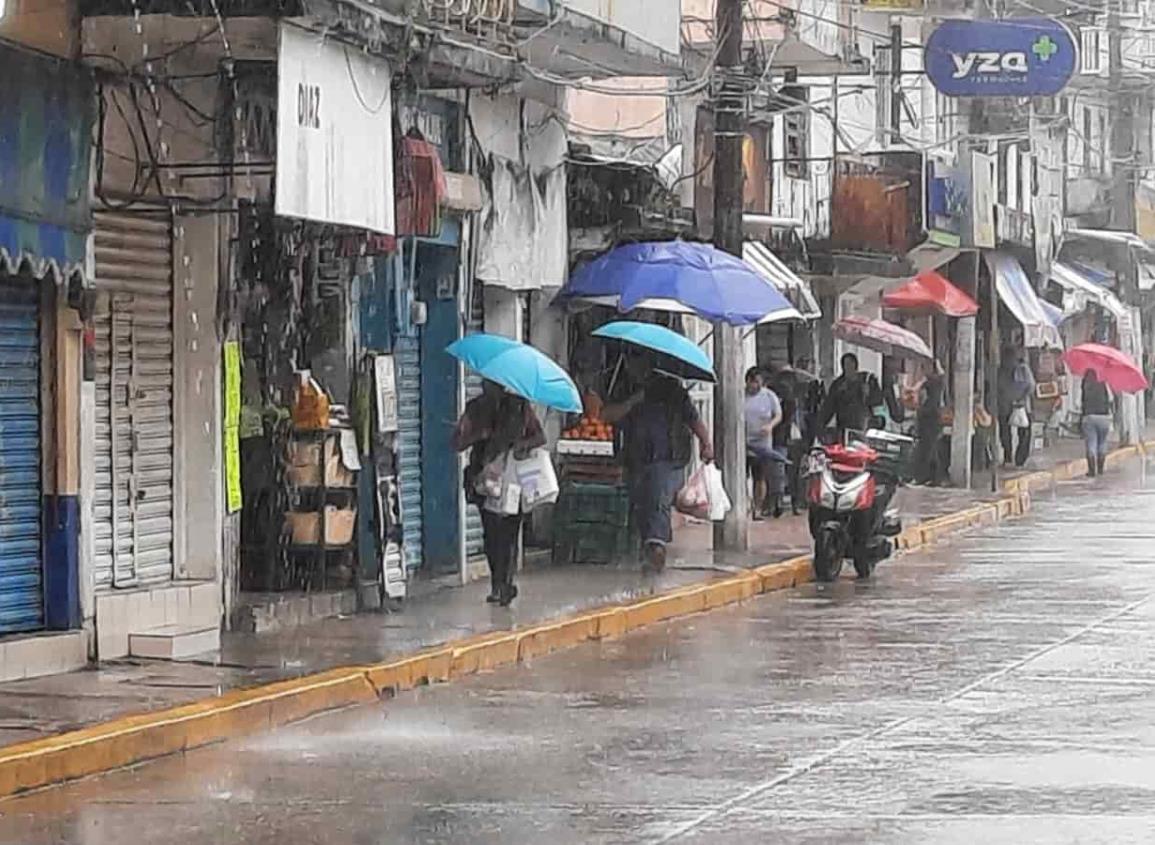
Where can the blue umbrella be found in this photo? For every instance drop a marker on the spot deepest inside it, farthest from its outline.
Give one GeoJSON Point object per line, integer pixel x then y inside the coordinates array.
{"type": "Point", "coordinates": [519, 368]}
{"type": "Point", "coordinates": [679, 276]}
{"type": "Point", "coordinates": [676, 354]}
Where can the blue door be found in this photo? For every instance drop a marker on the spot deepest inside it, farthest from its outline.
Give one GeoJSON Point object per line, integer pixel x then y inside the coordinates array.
{"type": "Point", "coordinates": [441, 477]}
{"type": "Point", "coordinates": [21, 576]}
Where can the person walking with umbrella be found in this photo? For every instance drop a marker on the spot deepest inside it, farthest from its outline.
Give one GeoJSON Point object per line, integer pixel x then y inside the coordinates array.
{"type": "Point", "coordinates": [499, 426]}
{"type": "Point", "coordinates": [658, 420]}
{"type": "Point", "coordinates": [1097, 411]}
{"type": "Point", "coordinates": [495, 427]}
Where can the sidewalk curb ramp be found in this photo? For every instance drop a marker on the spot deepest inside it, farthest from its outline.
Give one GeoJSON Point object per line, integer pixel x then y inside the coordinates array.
{"type": "Point", "coordinates": [134, 739]}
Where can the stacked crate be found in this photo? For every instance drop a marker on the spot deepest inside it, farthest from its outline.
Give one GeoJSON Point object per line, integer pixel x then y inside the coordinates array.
{"type": "Point", "coordinates": [592, 524]}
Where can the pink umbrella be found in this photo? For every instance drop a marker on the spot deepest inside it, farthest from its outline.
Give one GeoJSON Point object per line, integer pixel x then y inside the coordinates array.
{"type": "Point", "coordinates": [883, 337]}
{"type": "Point", "coordinates": [1115, 368]}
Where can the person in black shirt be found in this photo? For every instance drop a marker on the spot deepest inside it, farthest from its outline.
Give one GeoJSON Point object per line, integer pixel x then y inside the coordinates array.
{"type": "Point", "coordinates": [849, 401]}
{"type": "Point", "coordinates": [657, 423]}
{"type": "Point", "coordinates": [1097, 407]}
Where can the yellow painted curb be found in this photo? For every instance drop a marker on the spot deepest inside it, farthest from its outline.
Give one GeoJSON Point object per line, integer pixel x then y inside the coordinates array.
{"type": "Point", "coordinates": [132, 739]}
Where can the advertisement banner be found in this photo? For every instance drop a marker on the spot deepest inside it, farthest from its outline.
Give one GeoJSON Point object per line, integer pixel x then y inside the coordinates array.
{"type": "Point", "coordinates": [334, 133]}
{"type": "Point", "coordinates": [1012, 57]}
{"type": "Point", "coordinates": [983, 196]}
{"type": "Point", "coordinates": [232, 426]}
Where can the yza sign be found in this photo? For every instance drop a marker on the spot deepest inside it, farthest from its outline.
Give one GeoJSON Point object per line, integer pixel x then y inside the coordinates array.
{"type": "Point", "coordinates": [1015, 57]}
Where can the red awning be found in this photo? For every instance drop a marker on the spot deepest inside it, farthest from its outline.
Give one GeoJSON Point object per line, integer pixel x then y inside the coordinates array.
{"type": "Point", "coordinates": [928, 291]}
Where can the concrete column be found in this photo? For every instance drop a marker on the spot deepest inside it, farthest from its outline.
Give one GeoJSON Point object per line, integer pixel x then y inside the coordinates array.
{"type": "Point", "coordinates": [963, 388]}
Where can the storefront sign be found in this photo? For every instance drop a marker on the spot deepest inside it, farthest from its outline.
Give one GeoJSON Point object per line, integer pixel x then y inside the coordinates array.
{"type": "Point", "coordinates": [1017, 57]}
{"type": "Point", "coordinates": [232, 426]}
{"type": "Point", "coordinates": [334, 133]}
{"type": "Point", "coordinates": [946, 203]}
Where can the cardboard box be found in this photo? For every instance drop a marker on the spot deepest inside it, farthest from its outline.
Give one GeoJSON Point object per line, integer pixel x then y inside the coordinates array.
{"type": "Point", "coordinates": [340, 523]}
{"type": "Point", "coordinates": [304, 464]}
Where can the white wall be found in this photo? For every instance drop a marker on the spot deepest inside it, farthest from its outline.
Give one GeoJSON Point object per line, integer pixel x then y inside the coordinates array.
{"type": "Point", "coordinates": [657, 22]}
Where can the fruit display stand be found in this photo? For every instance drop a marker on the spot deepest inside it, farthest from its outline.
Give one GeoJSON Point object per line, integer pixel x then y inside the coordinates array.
{"type": "Point", "coordinates": [591, 520]}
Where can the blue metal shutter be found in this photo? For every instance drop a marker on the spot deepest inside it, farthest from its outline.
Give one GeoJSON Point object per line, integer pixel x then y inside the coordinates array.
{"type": "Point", "coordinates": [407, 357]}
{"type": "Point", "coordinates": [475, 322]}
{"type": "Point", "coordinates": [21, 576]}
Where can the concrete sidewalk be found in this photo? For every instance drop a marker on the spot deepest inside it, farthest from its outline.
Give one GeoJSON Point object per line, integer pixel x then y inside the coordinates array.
{"type": "Point", "coordinates": [36, 708]}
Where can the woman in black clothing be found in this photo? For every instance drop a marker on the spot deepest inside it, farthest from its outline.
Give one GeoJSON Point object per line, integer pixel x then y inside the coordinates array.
{"type": "Point", "coordinates": [1097, 406]}
{"type": "Point", "coordinates": [494, 424]}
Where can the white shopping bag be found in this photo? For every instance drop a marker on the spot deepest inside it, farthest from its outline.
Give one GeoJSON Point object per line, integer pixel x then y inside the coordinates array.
{"type": "Point", "coordinates": [537, 480]}
{"type": "Point", "coordinates": [719, 500]}
{"type": "Point", "coordinates": [507, 501]}
{"type": "Point", "coordinates": [694, 497]}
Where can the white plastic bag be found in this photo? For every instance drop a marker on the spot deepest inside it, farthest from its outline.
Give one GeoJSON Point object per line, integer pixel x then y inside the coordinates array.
{"type": "Point", "coordinates": [537, 479]}
{"type": "Point", "coordinates": [1020, 418]}
{"type": "Point", "coordinates": [694, 497]}
{"type": "Point", "coordinates": [719, 501]}
{"type": "Point", "coordinates": [507, 500]}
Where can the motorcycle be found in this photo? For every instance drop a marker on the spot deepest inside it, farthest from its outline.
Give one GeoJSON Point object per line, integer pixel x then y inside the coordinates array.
{"type": "Point", "coordinates": [849, 488]}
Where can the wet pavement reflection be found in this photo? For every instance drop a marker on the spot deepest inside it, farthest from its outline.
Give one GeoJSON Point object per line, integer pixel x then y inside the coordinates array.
{"type": "Point", "coordinates": [997, 689]}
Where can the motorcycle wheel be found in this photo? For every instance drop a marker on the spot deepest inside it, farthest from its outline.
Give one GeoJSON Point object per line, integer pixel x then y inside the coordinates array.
{"type": "Point", "coordinates": [827, 556]}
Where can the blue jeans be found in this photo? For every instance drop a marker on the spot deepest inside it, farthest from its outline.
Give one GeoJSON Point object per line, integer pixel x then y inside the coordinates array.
{"type": "Point", "coordinates": [652, 491]}
{"type": "Point", "coordinates": [1096, 428]}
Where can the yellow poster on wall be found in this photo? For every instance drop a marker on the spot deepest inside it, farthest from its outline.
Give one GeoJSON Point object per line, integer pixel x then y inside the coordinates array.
{"type": "Point", "coordinates": [232, 427]}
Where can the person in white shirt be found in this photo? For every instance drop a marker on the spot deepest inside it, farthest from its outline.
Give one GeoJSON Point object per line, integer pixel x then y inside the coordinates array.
{"type": "Point", "coordinates": [763, 414]}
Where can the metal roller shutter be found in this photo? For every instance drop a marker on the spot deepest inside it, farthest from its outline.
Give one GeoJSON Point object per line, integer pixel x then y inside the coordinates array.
{"type": "Point", "coordinates": [475, 322]}
{"type": "Point", "coordinates": [133, 508]}
{"type": "Point", "coordinates": [407, 356]}
{"type": "Point", "coordinates": [21, 576]}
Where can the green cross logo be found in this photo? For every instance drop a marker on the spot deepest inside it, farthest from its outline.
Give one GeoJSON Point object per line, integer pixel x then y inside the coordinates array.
{"type": "Point", "coordinates": [1044, 48]}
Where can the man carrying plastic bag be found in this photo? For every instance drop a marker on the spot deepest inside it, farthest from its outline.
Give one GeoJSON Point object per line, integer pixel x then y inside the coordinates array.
{"type": "Point", "coordinates": [704, 496]}
{"type": "Point", "coordinates": [657, 421]}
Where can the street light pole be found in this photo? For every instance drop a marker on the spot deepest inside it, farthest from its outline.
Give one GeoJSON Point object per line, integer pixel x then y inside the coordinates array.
{"type": "Point", "coordinates": [729, 130]}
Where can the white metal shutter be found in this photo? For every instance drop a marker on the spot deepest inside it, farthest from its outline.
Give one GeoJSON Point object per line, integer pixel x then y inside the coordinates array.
{"type": "Point", "coordinates": [133, 508]}
{"type": "Point", "coordinates": [407, 356]}
{"type": "Point", "coordinates": [475, 322]}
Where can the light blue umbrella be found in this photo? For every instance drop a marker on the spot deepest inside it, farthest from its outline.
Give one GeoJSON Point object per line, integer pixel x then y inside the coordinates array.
{"type": "Point", "coordinates": [674, 353]}
{"type": "Point", "coordinates": [519, 368]}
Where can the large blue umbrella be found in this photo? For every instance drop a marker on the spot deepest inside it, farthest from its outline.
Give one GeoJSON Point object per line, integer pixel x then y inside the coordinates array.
{"type": "Point", "coordinates": [519, 368]}
{"type": "Point", "coordinates": [679, 276]}
{"type": "Point", "coordinates": [674, 353]}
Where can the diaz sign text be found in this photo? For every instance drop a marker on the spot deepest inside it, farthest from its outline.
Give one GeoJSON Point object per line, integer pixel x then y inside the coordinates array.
{"type": "Point", "coordinates": [1015, 57]}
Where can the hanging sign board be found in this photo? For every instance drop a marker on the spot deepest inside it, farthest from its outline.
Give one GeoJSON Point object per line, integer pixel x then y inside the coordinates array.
{"type": "Point", "coordinates": [1012, 57]}
{"type": "Point", "coordinates": [334, 133]}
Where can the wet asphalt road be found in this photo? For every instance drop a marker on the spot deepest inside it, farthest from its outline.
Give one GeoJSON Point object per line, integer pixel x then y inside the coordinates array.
{"type": "Point", "coordinates": [997, 689]}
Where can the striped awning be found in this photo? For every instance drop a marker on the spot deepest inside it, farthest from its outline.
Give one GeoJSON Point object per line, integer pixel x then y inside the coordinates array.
{"type": "Point", "coordinates": [41, 249]}
{"type": "Point", "coordinates": [1018, 294]}
{"type": "Point", "coordinates": [789, 284]}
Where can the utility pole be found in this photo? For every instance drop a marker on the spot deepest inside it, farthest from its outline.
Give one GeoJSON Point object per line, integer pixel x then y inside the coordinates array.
{"type": "Point", "coordinates": [962, 436]}
{"type": "Point", "coordinates": [1124, 162]}
{"type": "Point", "coordinates": [729, 130]}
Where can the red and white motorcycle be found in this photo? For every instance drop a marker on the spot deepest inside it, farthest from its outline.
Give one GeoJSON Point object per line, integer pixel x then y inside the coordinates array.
{"type": "Point", "coordinates": [849, 488]}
